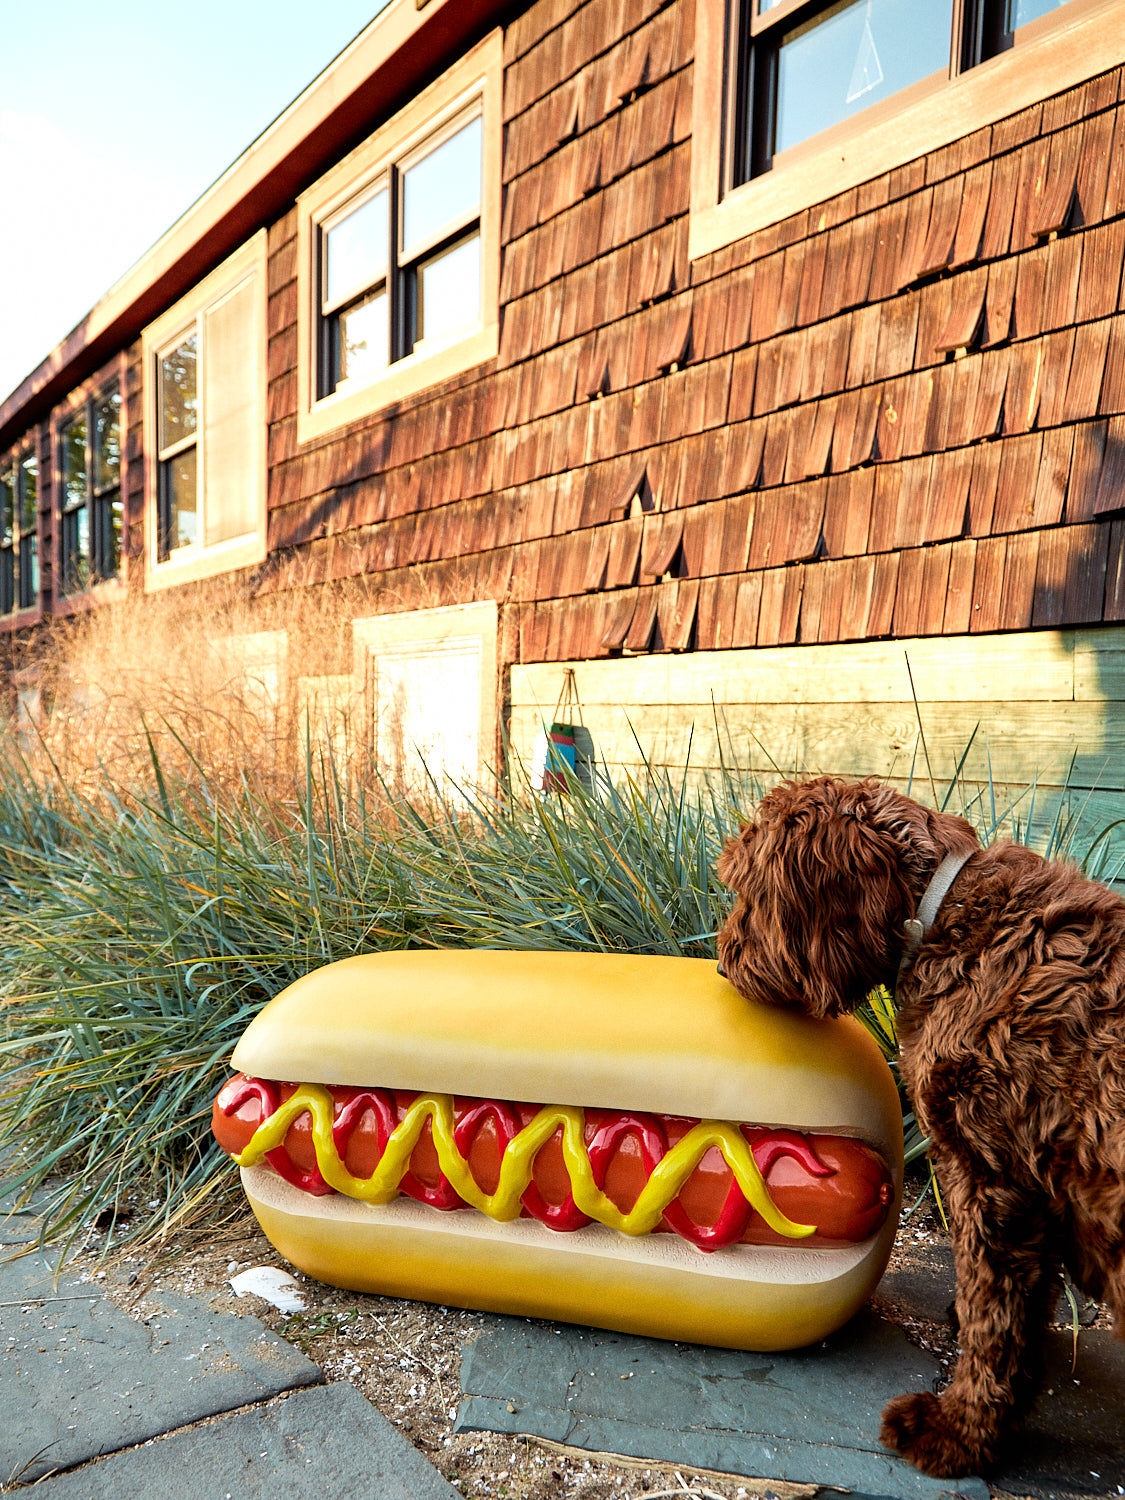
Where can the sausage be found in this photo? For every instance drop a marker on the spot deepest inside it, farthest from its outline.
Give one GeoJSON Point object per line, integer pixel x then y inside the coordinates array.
{"type": "Point", "coordinates": [836, 1182]}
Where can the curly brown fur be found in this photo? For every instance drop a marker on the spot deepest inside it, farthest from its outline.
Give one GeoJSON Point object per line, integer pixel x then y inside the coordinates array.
{"type": "Point", "coordinates": [1012, 1040]}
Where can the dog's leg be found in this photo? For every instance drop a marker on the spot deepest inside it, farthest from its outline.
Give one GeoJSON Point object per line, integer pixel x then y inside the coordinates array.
{"type": "Point", "coordinates": [1006, 1279]}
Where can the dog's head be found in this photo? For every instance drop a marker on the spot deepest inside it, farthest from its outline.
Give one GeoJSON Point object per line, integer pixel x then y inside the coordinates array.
{"type": "Point", "coordinates": [825, 876]}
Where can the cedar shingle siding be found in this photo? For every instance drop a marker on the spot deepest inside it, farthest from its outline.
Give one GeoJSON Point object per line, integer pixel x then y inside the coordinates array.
{"type": "Point", "coordinates": [898, 413]}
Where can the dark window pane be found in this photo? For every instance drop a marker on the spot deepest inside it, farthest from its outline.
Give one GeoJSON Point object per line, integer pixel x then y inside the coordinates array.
{"type": "Point", "coordinates": [107, 534]}
{"type": "Point", "coordinates": [29, 491]}
{"type": "Point", "coordinates": [1020, 12]}
{"type": "Point", "coordinates": [107, 442]}
{"type": "Point", "coordinates": [76, 549]}
{"type": "Point", "coordinates": [355, 249]}
{"type": "Point", "coordinates": [178, 393]}
{"type": "Point", "coordinates": [181, 505]}
{"type": "Point", "coordinates": [360, 340]}
{"type": "Point", "coordinates": [7, 581]}
{"type": "Point", "coordinates": [448, 292]}
{"type": "Point", "coordinates": [7, 506]}
{"type": "Point", "coordinates": [74, 462]}
{"type": "Point", "coordinates": [441, 189]}
{"type": "Point", "coordinates": [29, 571]}
{"type": "Point", "coordinates": [851, 56]}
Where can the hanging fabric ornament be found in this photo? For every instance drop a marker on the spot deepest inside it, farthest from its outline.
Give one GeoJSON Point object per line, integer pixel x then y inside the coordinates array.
{"type": "Point", "coordinates": [565, 747]}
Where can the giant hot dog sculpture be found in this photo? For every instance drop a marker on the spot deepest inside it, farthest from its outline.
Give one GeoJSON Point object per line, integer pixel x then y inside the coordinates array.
{"type": "Point", "coordinates": [616, 1140]}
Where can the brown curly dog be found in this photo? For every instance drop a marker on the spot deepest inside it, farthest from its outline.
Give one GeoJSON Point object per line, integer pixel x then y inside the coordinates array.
{"type": "Point", "coordinates": [1011, 1017]}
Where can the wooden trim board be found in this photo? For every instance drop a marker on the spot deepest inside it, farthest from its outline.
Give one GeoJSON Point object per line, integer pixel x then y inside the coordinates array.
{"type": "Point", "coordinates": [1039, 698]}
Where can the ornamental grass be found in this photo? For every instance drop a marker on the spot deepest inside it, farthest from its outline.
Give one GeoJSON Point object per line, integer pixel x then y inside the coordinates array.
{"type": "Point", "coordinates": [145, 920]}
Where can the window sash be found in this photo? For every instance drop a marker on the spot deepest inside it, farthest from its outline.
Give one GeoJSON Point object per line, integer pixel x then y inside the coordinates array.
{"type": "Point", "coordinates": [455, 222]}
{"type": "Point", "coordinates": [397, 279]}
{"type": "Point", "coordinates": [7, 579]}
{"type": "Point", "coordinates": [978, 31]}
{"type": "Point", "coordinates": [19, 533]}
{"type": "Point", "coordinates": [179, 472]}
{"type": "Point", "coordinates": [361, 285]}
{"type": "Point", "coordinates": [90, 478]}
{"type": "Point", "coordinates": [7, 507]}
{"type": "Point", "coordinates": [105, 433]}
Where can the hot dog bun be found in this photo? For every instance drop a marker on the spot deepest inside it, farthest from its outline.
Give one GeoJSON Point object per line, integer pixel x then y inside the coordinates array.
{"type": "Point", "coordinates": [665, 1035]}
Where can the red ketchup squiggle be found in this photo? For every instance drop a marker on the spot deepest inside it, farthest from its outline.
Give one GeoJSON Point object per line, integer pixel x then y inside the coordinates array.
{"type": "Point", "coordinates": [605, 1133]}
{"type": "Point", "coordinates": [279, 1159]}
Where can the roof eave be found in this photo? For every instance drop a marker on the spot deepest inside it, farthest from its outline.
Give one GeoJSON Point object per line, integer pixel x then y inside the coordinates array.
{"type": "Point", "coordinates": [403, 46]}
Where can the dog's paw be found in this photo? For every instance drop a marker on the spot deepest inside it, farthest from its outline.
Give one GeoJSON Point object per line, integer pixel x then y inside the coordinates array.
{"type": "Point", "coordinates": [918, 1428]}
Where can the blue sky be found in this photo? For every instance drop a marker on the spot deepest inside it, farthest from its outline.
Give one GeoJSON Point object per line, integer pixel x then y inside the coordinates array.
{"type": "Point", "coordinates": [113, 119]}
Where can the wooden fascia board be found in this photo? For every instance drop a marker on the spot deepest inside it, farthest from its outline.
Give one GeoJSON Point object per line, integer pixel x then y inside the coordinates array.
{"type": "Point", "coordinates": [399, 52]}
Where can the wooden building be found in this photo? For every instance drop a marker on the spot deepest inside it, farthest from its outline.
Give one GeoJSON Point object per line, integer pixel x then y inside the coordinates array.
{"type": "Point", "coordinates": [735, 355]}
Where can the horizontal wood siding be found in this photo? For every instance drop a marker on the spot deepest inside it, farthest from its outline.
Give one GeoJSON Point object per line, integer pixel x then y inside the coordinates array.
{"type": "Point", "coordinates": [1044, 709]}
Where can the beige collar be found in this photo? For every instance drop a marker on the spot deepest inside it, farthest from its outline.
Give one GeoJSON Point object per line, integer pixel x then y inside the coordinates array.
{"type": "Point", "coordinates": [935, 893]}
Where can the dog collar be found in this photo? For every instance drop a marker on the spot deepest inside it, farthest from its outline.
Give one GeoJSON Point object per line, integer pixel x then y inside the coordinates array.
{"type": "Point", "coordinates": [935, 893]}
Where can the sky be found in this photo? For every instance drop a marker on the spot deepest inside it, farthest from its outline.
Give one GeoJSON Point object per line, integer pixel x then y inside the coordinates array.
{"type": "Point", "coordinates": [114, 119]}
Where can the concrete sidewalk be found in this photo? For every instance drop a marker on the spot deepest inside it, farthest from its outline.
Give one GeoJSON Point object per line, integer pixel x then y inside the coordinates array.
{"type": "Point", "coordinates": [80, 1379]}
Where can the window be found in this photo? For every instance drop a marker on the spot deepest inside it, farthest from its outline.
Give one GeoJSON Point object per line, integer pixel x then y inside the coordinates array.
{"type": "Point", "coordinates": [398, 253]}
{"type": "Point", "coordinates": [90, 490]}
{"type": "Point", "coordinates": [205, 425]}
{"type": "Point", "coordinates": [385, 295]}
{"type": "Point", "coordinates": [797, 101]}
{"type": "Point", "coordinates": [806, 67]}
{"type": "Point", "coordinates": [428, 679]}
{"type": "Point", "coordinates": [19, 539]}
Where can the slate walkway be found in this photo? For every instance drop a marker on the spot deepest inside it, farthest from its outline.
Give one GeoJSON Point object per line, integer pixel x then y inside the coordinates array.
{"type": "Point", "coordinates": [808, 1417]}
{"type": "Point", "coordinates": [79, 1379]}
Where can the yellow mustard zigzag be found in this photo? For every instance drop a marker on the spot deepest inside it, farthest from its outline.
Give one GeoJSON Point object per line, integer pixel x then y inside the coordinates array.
{"type": "Point", "coordinates": [517, 1163]}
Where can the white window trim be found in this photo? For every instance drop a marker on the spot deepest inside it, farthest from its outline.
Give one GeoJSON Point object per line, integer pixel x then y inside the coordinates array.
{"type": "Point", "coordinates": [477, 76]}
{"type": "Point", "coordinates": [187, 564]}
{"type": "Point", "coordinates": [1057, 53]}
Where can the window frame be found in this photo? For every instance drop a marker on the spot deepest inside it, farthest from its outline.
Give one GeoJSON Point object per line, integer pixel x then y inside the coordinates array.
{"type": "Point", "coordinates": [247, 266]}
{"type": "Point", "coordinates": [15, 460]}
{"type": "Point", "coordinates": [471, 85]}
{"type": "Point", "coordinates": [1043, 58]}
{"type": "Point", "coordinates": [84, 404]}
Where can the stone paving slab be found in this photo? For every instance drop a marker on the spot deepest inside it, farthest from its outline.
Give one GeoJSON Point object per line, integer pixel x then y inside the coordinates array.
{"type": "Point", "coordinates": [1073, 1443]}
{"type": "Point", "coordinates": [809, 1416]}
{"type": "Point", "coordinates": [80, 1377]}
{"type": "Point", "coordinates": [312, 1445]}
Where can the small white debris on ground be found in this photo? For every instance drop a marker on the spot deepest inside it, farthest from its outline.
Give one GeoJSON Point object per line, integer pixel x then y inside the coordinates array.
{"type": "Point", "coordinates": [273, 1285]}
